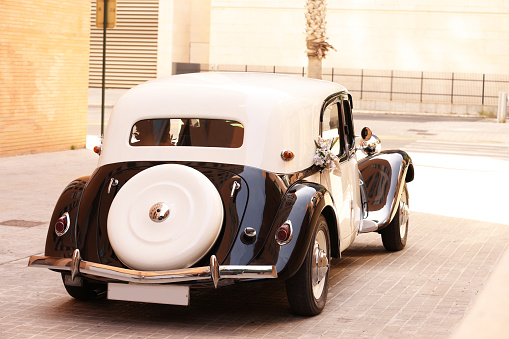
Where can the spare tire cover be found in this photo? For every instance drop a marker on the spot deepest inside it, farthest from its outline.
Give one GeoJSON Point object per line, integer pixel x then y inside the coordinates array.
{"type": "Point", "coordinates": [144, 237]}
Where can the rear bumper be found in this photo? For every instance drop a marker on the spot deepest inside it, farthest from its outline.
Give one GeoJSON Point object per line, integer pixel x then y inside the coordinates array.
{"type": "Point", "coordinates": [213, 272]}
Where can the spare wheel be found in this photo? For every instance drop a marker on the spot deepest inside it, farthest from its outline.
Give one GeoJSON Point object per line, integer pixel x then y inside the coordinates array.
{"type": "Point", "coordinates": [165, 217]}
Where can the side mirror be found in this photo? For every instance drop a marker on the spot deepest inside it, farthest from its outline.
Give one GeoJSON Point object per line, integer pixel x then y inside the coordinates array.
{"type": "Point", "coordinates": [366, 133]}
{"type": "Point", "coordinates": [370, 143]}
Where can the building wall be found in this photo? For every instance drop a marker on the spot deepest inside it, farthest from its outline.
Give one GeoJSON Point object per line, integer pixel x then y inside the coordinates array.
{"type": "Point", "coordinates": [131, 47]}
{"type": "Point", "coordinates": [413, 35]}
{"type": "Point", "coordinates": [257, 32]}
{"type": "Point", "coordinates": [44, 48]}
{"type": "Point", "coordinates": [184, 34]}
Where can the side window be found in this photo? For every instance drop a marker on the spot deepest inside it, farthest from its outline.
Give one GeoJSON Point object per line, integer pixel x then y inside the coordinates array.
{"type": "Point", "coordinates": [330, 127]}
{"type": "Point", "coordinates": [348, 126]}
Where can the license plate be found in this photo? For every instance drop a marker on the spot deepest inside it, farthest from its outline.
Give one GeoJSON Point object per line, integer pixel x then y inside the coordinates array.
{"type": "Point", "coordinates": [148, 293]}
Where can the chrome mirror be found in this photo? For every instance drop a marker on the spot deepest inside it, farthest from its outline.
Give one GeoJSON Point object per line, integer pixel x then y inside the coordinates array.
{"type": "Point", "coordinates": [370, 143]}
{"type": "Point", "coordinates": [366, 133]}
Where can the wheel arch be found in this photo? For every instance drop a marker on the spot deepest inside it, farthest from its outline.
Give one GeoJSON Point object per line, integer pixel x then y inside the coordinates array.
{"type": "Point", "coordinates": [310, 200]}
{"type": "Point", "coordinates": [330, 216]}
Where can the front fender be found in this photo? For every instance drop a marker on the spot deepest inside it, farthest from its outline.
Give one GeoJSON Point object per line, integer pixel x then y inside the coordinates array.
{"type": "Point", "coordinates": [302, 205]}
{"type": "Point", "coordinates": [384, 176]}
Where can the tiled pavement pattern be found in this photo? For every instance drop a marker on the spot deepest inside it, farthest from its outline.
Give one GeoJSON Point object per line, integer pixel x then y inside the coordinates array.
{"type": "Point", "coordinates": [420, 292]}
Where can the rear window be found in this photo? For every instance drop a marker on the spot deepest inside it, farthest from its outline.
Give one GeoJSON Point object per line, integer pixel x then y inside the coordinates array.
{"type": "Point", "coordinates": [187, 132]}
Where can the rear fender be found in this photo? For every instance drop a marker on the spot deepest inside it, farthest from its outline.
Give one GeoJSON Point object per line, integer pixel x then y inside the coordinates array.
{"type": "Point", "coordinates": [302, 205]}
{"type": "Point", "coordinates": [384, 176]}
{"type": "Point", "coordinates": [69, 200]}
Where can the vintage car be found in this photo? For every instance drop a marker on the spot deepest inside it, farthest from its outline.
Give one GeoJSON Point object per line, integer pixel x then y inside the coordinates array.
{"type": "Point", "coordinates": [206, 180]}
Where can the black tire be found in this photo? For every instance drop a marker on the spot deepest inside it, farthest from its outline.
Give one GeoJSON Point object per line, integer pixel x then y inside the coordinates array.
{"type": "Point", "coordinates": [306, 292]}
{"type": "Point", "coordinates": [88, 291]}
{"type": "Point", "coordinates": [394, 236]}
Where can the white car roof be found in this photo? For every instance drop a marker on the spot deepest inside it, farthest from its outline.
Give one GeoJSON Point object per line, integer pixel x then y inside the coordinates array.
{"type": "Point", "coordinates": [279, 112]}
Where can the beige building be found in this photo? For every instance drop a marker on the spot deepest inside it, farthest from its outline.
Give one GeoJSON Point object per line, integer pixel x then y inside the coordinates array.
{"type": "Point", "coordinates": [417, 55]}
{"type": "Point", "coordinates": [404, 56]}
{"type": "Point", "coordinates": [43, 75]}
{"type": "Point", "coordinates": [150, 38]}
{"type": "Point", "coordinates": [413, 35]}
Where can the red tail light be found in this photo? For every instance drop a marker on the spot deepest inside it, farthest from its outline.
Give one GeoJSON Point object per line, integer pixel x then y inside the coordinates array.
{"type": "Point", "coordinates": [62, 224]}
{"type": "Point", "coordinates": [287, 155]}
{"type": "Point", "coordinates": [284, 233]}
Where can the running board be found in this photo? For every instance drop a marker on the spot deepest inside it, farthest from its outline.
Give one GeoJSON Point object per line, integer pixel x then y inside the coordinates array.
{"type": "Point", "coordinates": [368, 226]}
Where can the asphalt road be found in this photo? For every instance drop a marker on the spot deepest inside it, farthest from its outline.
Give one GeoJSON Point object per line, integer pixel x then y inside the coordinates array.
{"type": "Point", "coordinates": [439, 134]}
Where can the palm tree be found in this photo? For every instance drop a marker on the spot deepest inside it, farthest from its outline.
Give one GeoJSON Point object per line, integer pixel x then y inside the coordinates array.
{"type": "Point", "coordinates": [316, 41]}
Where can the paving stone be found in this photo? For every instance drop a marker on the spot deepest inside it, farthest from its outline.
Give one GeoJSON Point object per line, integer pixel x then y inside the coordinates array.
{"type": "Point", "coordinates": [421, 292]}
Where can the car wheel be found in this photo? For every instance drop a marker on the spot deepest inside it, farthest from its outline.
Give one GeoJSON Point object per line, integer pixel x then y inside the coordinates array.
{"type": "Point", "coordinates": [307, 289]}
{"type": "Point", "coordinates": [88, 290]}
{"type": "Point", "coordinates": [395, 234]}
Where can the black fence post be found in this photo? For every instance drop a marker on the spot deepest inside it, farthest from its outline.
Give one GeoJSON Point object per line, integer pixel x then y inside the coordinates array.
{"type": "Point", "coordinates": [483, 83]}
{"type": "Point", "coordinates": [362, 81]}
{"type": "Point", "coordinates": [422, 83]}
{"type": "Point", "coordinates": [452, 88]}
{"type": "Point", "coordinates": [392, 79]}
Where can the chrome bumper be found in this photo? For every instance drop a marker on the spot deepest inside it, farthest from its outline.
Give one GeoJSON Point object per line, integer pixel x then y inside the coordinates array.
{"type": "Point", "coordinates": [214, 272]}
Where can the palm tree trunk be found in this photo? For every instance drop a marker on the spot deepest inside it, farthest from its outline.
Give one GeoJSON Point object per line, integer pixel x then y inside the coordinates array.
{"type": "Point", "coordinates": [314, 67]}
{"type": "Point", "coordinates": [316, 41]}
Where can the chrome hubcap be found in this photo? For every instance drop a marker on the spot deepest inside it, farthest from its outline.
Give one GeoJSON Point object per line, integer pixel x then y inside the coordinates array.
{"type": "Point", "coordinates": [404, 215]}
{"type": "Point", "coordinates": [320, 264]}
{"type": "Point", "coordinates": [159, 212]}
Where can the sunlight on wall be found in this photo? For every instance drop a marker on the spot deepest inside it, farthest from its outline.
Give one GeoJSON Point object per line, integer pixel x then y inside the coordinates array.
{"type": "Point", "coordinates": [470, 37]}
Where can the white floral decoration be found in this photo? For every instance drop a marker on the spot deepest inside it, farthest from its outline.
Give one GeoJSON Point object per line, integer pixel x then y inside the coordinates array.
{"type": "Point", "coordinates": [324, 157]}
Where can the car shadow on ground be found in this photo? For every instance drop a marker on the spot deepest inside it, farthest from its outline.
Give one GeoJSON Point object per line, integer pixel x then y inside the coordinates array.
{"type": "Point", "coordinates": [254, 302]}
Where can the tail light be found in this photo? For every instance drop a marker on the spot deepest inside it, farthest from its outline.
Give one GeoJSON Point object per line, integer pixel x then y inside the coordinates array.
{"type": "Point", "coordinates": [287, 155]}
{"type": "Point", "coordinates": [284, 233]}
{"type": "Point", "coordinates": [62, 224]}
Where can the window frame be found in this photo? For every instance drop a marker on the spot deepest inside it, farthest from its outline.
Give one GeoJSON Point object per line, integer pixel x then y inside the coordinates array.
{"type": "Point", "coordinates": [346, 149]}
{"type": "Point", "coordinates": [348, 128]}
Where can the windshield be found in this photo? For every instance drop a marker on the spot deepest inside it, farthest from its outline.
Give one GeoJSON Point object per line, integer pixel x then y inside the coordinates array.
{"type": "Point", "coordinates": [187, 132]}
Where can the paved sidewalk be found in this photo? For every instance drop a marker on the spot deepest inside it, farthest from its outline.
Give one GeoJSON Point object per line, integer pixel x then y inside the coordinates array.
{"type": "Point", "coordinates": [451, 266]}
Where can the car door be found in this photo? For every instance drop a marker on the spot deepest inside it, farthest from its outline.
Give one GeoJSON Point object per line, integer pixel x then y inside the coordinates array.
{"type": "Point", "coordinates": [339, 181]}
{"type": "Point", "coordinates": [351, 162]}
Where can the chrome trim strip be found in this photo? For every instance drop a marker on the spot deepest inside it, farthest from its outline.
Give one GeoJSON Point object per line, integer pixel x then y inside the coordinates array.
{"type": "Point", "coordinates": [153, 277]}
{"type": "Point", "coordinates": [214, 270]}
{"type": "Point", "coordinates": [113, 183]}
{"type": "Point", "coordinates": [235, 187]}
{"type": "Point", "coordinates": [75, 263]}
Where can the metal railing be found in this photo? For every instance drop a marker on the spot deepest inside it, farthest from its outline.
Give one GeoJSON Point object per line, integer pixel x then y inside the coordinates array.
{"type": "Point", "coordinates": [423, 87]}
{"type": "Point", "coordinates": [392, 85]}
